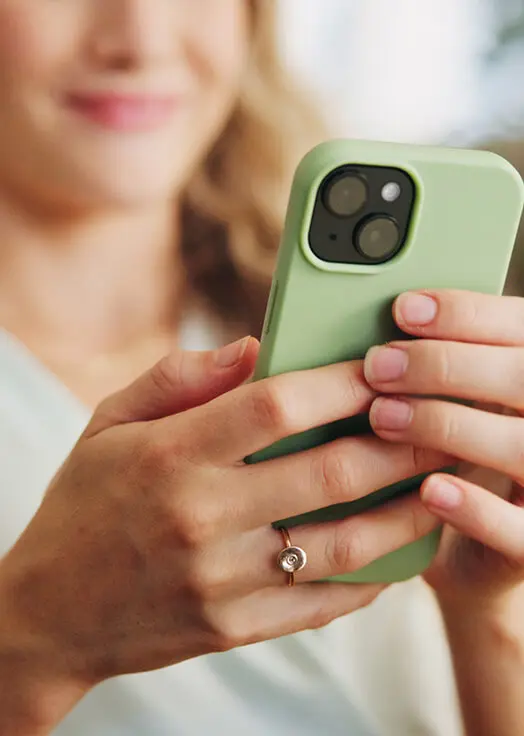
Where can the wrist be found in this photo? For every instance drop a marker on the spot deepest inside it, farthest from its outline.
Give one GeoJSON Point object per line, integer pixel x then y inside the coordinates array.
{"type": "Point", "coordinates": [497, 619]}
{"type": "Point", "coordinates": [33, 699]}
{"type": "Point", "coordinates": [36, 690]}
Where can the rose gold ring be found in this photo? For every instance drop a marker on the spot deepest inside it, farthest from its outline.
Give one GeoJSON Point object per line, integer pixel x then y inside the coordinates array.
{"type": "Point", "coordinates": [290, 559]}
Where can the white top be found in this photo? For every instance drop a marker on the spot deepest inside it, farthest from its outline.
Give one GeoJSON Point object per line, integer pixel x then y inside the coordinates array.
{"type": "Point", "coordinates": [381, 671]}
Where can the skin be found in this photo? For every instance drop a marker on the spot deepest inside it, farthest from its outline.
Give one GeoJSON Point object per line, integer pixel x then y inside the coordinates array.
{"type": "Point", "coordinates": [195, 51]}
{"type": "Point", "coordinates": [472, 347]}
{"type": "Point", "coordinates": [156, 482]}
{"type": "Point", "coordinates": [186, 523]}
{"type": "Point", "coordinates": [90, 275]}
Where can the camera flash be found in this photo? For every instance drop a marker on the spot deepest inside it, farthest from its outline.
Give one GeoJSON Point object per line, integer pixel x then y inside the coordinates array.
{"type": "Point", "coordinates": [391, 191]}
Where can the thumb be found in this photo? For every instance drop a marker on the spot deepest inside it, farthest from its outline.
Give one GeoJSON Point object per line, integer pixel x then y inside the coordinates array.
{"type": "Point", "coordinates": [180, 381]}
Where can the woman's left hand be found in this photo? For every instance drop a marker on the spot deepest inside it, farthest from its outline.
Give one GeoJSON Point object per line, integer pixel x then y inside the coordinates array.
{"type": "Point", "coordinates": [471, 347]}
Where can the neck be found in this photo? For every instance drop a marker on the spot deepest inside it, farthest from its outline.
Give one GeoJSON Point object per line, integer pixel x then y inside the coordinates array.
{"type": "Point", "coordinates": [90, 284]}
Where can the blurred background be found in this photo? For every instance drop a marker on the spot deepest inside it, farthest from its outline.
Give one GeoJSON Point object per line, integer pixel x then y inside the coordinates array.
{"type": "Point", "coordinates": [443, 71]}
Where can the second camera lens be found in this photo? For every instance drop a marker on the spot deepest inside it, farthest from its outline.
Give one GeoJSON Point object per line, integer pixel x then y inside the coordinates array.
{"type": "Point", "coordinates": [345, 195]}
{"type": "Point", "coordinates": [378, 239]}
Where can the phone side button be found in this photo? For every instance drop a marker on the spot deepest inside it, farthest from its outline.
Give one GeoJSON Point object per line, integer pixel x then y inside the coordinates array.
{"type": "Point", "coordinates": [271, 308]}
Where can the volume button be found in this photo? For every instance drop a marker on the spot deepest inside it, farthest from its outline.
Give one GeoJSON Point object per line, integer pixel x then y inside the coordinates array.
{"type": "Point", "coordinates": [271, 308]}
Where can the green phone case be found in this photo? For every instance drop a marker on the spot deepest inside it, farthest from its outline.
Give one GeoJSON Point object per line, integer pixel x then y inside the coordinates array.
{"type": "Point", "coordinates": [467, 210]}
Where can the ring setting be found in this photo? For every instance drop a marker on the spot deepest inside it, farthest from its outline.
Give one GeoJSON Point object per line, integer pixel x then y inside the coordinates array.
{"type": "Point", "coordinates": [290, 559]}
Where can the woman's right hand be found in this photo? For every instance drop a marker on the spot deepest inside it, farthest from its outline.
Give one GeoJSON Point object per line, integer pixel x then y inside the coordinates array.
{"type": "Point", "coordinates": [154, 542]}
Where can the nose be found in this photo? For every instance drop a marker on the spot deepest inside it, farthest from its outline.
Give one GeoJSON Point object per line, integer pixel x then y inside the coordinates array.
{"type": "Point", "coordinates": [129, 34]}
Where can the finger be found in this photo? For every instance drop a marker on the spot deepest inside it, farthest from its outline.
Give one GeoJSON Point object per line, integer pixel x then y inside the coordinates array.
{"type": "Point", "coordinates": [461, 315]}
{"type": "Point", "coordinates": [256, 415]}
{"type": "Point", "coordinates": [454, 369]}
{"type": "Point", "coordinates": [332, 548]}
{"type": "Point", "coordinates": [180, 381]}
{"type": "Point", "coordinates": [477, 513]}
{"type": "Point", "coordinates": [480, 437]}
{"type": "Point", "coordinates": [341, 471]}
{"type": "Point", "coordinates": [269, 614]}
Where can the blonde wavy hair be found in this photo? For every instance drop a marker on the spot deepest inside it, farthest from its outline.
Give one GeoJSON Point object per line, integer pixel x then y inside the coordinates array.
{"type": "Point", "coordinates": [234, 206]}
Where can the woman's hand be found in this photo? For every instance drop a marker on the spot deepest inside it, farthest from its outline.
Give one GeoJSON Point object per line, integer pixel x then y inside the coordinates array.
{"type": "Point", "coordinates": [472, 347]}
{"type": "Point", "coordinates": [153, 544]}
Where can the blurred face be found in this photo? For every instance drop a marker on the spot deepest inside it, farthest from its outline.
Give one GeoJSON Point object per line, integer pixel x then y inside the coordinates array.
{"type": "Point", "coordinates": [114, 101]}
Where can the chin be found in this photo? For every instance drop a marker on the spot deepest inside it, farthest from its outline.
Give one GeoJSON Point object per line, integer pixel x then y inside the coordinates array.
{"type": "Point", "coordinates": [123, 182]}
{"type": "Point", "coordinates": [123, 191]}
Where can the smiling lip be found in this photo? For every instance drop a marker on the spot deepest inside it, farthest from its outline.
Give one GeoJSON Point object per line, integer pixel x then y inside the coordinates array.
{"type": "Point", "coordinates": [125, 113]}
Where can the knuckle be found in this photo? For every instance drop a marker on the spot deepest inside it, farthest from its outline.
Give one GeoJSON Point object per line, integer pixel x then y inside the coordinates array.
{"type": "Point", "coordinates": [463, 310]}
{"type": "Point", "coordinates": [358, 391]}
{"type": "Point", "coordinates": [156, 456]}
{"type": "Point", "coordinates": [226, 633]}
{"type": "Point", "coordinates": [330, 611]}
{"type": "Point", "coordinates": [165, 457]}
{"type": "Point", "coordinates": [441, 365]}
{"type": "Point", "coordinates": [225, 642]}
{"type": "Point", "coordinates": [424, 459]}
{"type": "Point", "coordinates": [335, 474]}
{"type": "Point", "coordinates": [166, 374]}
{"type": "Point", "coordinates": [206, 580]}
{"type": "Point", "coordinates": [272, 406]}
{"type": "Point", "coordinates": [322, 617]}
{"type": "Point", "coordinates": [447, 427]}
{"type": "Point", "coordinates": [195, 524]}
{"type": "Point", "coordinates": [346, 548]}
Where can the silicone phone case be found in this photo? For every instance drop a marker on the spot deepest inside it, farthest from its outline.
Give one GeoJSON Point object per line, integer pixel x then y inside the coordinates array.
{"type": "Point", "coordinates": [466, 214]}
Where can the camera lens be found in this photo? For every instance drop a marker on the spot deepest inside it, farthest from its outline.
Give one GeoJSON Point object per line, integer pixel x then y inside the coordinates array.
{"type": "Point", "coordinates": [378, 238]}
{"type": "Point", "coordinates": [346, 195]}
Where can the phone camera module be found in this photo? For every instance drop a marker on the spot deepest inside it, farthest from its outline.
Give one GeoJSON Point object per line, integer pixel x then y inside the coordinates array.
{"type": "Point", "coordinates": [378, 238]}
{"type": "Point", "coordinates": [345, 195]}
{"type": "Point", "coordinates": [362, 214]}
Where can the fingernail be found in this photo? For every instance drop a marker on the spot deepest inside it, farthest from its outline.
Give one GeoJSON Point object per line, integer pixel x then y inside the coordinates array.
{"type": "Point", "coordinates": [416, 309]}
{"type": "Point", "coordinates": [384, 364]}
{"type": "Point", "coordinates": [442, 494]}
{"type": "Point", "coordinates": [231, 354]}
{"type": "Point", "coordinates": [390, 414]}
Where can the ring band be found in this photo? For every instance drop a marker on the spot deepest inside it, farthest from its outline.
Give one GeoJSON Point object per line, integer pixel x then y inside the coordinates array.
{"type": "Point", "coordinates": [290, 559]}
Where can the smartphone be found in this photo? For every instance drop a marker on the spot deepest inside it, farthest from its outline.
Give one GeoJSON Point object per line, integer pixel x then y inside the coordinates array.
{"type": "Point", "coordinates": [367, 221]}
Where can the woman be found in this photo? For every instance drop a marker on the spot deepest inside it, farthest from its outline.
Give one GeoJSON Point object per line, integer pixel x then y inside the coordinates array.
{"type": "Point", "coordinates": [144, 154]}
